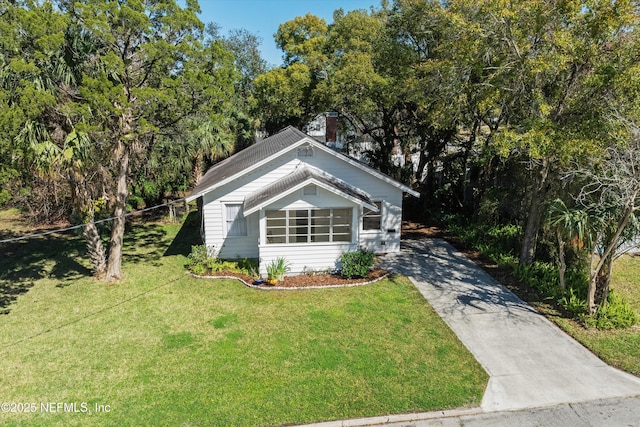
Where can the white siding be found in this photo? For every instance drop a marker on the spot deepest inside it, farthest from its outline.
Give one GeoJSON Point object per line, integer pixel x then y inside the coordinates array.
{"type": "Point", "coordinates": [215, 231]}
{"type": "Point", "coordinates": [387, 239]}
{"type": "Point", "coordinates": [316, 256]}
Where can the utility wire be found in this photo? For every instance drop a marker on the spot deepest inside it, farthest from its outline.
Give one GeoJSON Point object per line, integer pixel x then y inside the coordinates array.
{"type": "Point", "coordinates": [60, 230]}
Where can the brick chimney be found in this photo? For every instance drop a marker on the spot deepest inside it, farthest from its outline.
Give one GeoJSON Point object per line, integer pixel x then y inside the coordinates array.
{"type": "Point", "coordinates": [332, 126]}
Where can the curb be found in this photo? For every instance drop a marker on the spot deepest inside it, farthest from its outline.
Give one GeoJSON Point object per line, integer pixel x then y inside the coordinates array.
{"type": "Point", "coordinates": [399, 418]}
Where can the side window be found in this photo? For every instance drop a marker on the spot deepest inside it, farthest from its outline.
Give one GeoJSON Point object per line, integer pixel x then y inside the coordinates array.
{"type": "Point", "coordinates": [236, 223]}
{"type": "Point", "coordinates": [372, 220]}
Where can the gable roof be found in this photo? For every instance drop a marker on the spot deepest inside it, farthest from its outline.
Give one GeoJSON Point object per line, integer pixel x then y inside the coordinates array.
{"type": "Point", "coordinates": [299, 178]}
{"type": "Point", "coordinates": [262, 151]}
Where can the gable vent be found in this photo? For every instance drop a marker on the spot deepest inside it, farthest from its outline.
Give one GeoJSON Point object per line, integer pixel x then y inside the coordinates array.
{"type": "Point", "coordinates": [306, 151]}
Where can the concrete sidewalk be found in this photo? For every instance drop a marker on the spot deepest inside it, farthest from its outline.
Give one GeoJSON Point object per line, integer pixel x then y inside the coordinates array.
{"type": "Point", "coordinates": [531, 362]}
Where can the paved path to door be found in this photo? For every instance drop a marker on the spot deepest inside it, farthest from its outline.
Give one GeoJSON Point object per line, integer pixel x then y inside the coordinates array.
{"type": "Point", "coordinates": [531, 362]}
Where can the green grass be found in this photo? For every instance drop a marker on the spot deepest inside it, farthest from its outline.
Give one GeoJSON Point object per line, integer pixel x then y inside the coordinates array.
{"type": "Point", "coordinates": [163, 348]}
{"type": "Point", "coordinates": [619, 348]}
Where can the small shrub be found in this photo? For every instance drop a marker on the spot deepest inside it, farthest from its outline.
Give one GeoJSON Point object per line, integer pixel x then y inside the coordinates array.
{"type": "Point", "coordinates": [572, 303]}
{"type": "Point", "coordinates": [247, 264]}
{"type": "Point", "coordinates": [356, 263]}
{"type": "Point", "coordinates": [278, 268]}
{"type": "Point", "coordinates": [616, 313]}
{"type": "Point", "coordinates": [542, 276]}
{"type": "Point", "coordinates": [308, 271]}
{"type": "Point", "coordinates": [199, 256]}
{"type": "Point", "coordinates": [198, 269]}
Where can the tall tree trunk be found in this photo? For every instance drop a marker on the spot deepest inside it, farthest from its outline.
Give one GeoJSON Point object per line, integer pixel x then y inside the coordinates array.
{"type": "Point", "coordinates": [114, 265]}
{"type": "Point", "coordinates": [529, 242]}
{"type": "Point", "coordinates": [96, 250]}
{"type": "Point", "coordinates": [83, 203]}
{"type": "Point", "coordinates": [599, 280]}
{"type": "Point", "coordinates": [561, 258]}
{"type": "Point", "coordinates": [603, 280]}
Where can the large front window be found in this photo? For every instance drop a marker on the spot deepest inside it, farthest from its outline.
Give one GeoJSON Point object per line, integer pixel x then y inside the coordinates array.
{"type": "Point", "coordinates": [309, 225]}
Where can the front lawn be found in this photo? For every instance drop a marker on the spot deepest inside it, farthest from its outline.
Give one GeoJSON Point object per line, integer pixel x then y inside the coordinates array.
{"type": "Point", "coordinates": [163, 348]}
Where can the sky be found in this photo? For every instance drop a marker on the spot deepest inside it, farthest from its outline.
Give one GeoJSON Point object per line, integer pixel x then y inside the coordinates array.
{"type": "Point", "coordinates": [262, 17]}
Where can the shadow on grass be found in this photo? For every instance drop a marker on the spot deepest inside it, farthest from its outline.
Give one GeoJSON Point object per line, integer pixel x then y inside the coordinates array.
{"type": "Point", "coordinates": [24, 262]}
{"type": "Point", "coordinates": [189, 235]}
{"type": "Point", "coordinates": [59, 257]}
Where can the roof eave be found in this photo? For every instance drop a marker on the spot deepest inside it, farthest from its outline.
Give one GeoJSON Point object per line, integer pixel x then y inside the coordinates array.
{"type": "Point", "coordinates": [320, 184]}
{"type": "Point", "coordinates": [259, 164]}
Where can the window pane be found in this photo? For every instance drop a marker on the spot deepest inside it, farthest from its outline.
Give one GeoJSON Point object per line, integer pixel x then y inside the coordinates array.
{"type": "Point", "coordinates": [276, 231]}
{"type": "Point", "coordinates": [320, 230]}
{"type": "Point", "coordinates": [341, 238]}
{"type": "Point", "coordinates": [299, 231]}
{"type": "Point", "coordinates": [342, 229]}
{"type": "Point", "coordinates": [320, 238]}
{"type": "Point", "coordinates": [372, 220]}
{"type": "Point", "coordinates": [276, 239]}
{"type": "Point", "coordinates": [342, 216]}
{"type": "Point", "coordinates": [236, 222]}
{"type": "Point", "coordinates": [321, 221]}
{"type": "Point", "coordinates": [276, 223]}
{"type": "Point", "coordinates": [321, 213]}
{"type": "Point", "coordinates": [371, 223]}
{"type": "Point", "coordinates": [276, 214]}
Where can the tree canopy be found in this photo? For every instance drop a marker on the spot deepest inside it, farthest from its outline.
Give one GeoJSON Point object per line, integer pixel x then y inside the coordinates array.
{"type": "Point", "coordinates": [98, 91]}
{"type": "Point", "coordinates": [492, 109]}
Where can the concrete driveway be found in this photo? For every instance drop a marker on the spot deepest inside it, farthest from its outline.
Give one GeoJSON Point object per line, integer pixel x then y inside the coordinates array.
{"type": "Point", "coordinates": [531, 362]}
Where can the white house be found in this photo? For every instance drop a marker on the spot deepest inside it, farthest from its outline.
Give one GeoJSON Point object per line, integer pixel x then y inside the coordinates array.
{"type": "Point", "coordinates": [291, 196]}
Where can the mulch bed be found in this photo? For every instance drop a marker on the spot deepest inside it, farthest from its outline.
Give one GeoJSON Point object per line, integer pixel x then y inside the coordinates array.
{"type": "Point", "coordinates": [306, 281]}
{"type": "Point", "coordinates": [320, 280]}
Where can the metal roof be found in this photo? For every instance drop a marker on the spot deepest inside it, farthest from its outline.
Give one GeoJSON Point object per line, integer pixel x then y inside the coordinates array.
{"type": "Point", "coordinates": [249, 158]}
{"type": "Point", "coordinates": [299, 178]}
{"type": "Point", "coordinates": [245, 159]}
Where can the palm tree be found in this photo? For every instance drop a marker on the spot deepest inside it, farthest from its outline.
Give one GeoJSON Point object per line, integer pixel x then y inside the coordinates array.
{"type": "Point", "coordinates": [570, 225]}
{"type": "Point", "coordinates": [54, 144]}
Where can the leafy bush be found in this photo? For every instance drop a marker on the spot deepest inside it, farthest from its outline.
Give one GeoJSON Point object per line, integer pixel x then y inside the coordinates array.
{"type": "Point", "coordinates": [199, 256]}
{"type": "Point", "coordinates": [198, 269]}
{"type": "Point", "coordinates": [356, 263]}
{"type": "Point", "coordinates": [615, 313]}
{"type": "Point", "coordinates": [572, 303]}
{"type": "Point", "coordinates": [507, 237]}
{"type": "Point", "coordinates": [200, 260]}
{"type": "Point", "coordinates": [542, 276]}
